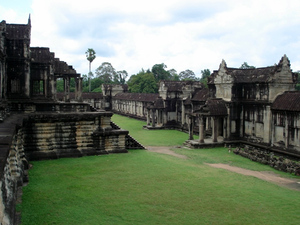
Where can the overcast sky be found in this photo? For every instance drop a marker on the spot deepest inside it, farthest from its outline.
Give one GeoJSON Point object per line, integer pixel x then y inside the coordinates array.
{"type": "Point", "coordinates": [185, 34]}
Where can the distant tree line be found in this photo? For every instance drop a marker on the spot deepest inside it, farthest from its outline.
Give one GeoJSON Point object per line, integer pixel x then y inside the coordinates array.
{"type": "Point", "coordinates": [145, 81]}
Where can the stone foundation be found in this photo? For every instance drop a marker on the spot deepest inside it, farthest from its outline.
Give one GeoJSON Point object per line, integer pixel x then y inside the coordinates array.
{"type": "Point", "coordinates": [51, 136]}
{"type": "Point", "coordinates": [269, 158]}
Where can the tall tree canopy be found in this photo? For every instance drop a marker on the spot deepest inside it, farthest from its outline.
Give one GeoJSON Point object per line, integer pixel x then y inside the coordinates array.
{"type": "Point", "coordinates": [160, 73]}
{"type": "Point", "coordinates": [106, 72]}
{"type": "Point", "coordinates": [205, 74]}
{"type": "Point", "coordinates": [187, 75]}
{"type": "Point", "coordinates": [90, 56]}
{"type": "Point", "coordinates": [120, 77]}
{"type": "Point", "coordinates": [246, 66]}
{"type": "Point", "coordinates": [143, 82]}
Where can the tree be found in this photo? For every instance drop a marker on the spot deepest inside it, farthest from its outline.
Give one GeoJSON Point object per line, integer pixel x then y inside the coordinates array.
{"type": "Point", "coordinates": [205, 74]}
{"type": "Point", "coordinates": [187, 75]}
{"type": "Point", "coordinates": [90, 56]}
{"type": "Point", "coordinates": [106, 72]}
{"type": "Point", "coordinates": [174, 75]}
{"type": "Point", "coordinates": [120, 77]}
{"type": "Point", "coordinates": [160, 73]}
{"type": "Point", "coordinates": [246, 66]}
{"type": "Point", "coordinates": [143, 82]}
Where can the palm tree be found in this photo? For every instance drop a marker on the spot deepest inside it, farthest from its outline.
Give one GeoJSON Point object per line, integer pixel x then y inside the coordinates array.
{"type": "Point", "coordinates": [90, 56]}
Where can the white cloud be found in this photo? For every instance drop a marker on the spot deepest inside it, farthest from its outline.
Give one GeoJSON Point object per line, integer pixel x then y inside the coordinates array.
{"type": "Point", "coordinates": [191, 34]}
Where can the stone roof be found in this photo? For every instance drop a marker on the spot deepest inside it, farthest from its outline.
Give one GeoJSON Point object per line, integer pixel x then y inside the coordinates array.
{"type": "Point", "coordinates": [143, 97]}
{"type": "Point", "coordinates": [289, 101]}
{"type": "Point", "coordinates": [62, 68]}
{"type": "Point", "coordinates": [17, 31]}
{"type": "Point", "coordinates": [176, 86]}
{"type": "Point", "coordinates": [159, 103]}
{"type": "Point", "coordinates": [217, 107]}
{"type": "Point", "coordinates": [256, 75]}
{"type": "Point", "coordinates": [41, 55]}
{"type": "Point", "coordinates": [201, 95]}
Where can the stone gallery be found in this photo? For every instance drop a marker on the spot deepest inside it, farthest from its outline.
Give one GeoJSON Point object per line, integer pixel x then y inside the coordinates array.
{"type": "Point", "coordinates": [251, 106]}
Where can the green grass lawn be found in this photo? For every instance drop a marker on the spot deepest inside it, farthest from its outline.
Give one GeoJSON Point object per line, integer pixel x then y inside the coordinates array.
{"type": "Point", "coordinates": [144, 187]}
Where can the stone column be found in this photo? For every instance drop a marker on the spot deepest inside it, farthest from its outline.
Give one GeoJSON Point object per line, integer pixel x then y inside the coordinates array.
{"type": "Point", "coordinates": [215, 129]}
{"type": "Point", "coordinates": [78, 89]}
{"type": "Point", "coordinates": [191, 128]}
{"type": "Point", "coordinates": [225, 134]}
{"type": "Point", "coordinates": [286, 130]}
{"type": "Point", "coordinates": [67, 88]}
{"type": "Point", "coordinates": [182, 114]}
{"type": "Point", "coordinates": [148, 117]}
{"type": "Point", "coordinates": [267, 125]}
{"type": "Point", "coordinates": [201, 129]}
{"type": "Point", "coordinates": [153, 117]}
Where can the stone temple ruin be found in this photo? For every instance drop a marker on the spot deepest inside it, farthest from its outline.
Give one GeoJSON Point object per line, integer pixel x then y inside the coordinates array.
{"type": "Point", "coordinates": [257, 108]}
{"type": "Point", "coordinates": [34, 123]}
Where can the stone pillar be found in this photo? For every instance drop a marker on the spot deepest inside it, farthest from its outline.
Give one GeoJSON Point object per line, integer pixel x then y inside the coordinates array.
{"type": "Point", "coordinates": [53, 87]}
{"type": "Point", "coordinates": [215, 129]}
{"type": "Point", "coordinates": [78, 89]}
{"type": "Point", "coordinates": [286, 131]}
{"type": "Point", "coordinates": [267, 125]}
{"type": "Point", "coordinates": [148, 117]}
{"type": "Point", "coordinates": [201, 129]}
{"type": "Point", "coordinates": [225, 134]}
{"type": "Point", "coordinates": [67, 89]}
{"type": "Point", "coordinates": [182, 114]}
{"type": "Point", "coordinates": [153, 117]}
{"type": "Point", "coordinates": [191, 128]}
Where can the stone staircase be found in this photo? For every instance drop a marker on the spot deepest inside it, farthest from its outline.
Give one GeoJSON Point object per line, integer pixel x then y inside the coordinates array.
{"type": "Point", "coordinates": [131, 143]}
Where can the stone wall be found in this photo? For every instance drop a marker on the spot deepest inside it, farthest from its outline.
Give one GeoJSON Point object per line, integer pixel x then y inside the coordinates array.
{"type": "Point", "coordinates": [269, 158]}
{"type": "Point", "coordinates": [51, 136]}
{"type": "Point", "coordinates": [13, 173]}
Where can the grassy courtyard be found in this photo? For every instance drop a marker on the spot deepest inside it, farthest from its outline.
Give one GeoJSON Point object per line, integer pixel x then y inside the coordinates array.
{"type": "Point", "coordinates": [144, 187]}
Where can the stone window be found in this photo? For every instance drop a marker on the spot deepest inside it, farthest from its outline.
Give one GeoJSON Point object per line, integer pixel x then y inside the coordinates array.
{"type": "Point", "coordinates": [38, 87]}
{"type": "Point", "coordinates": [15, 86]}
{"type": "Point", "coordinates": [260, 115]}
{"type": "Point", "coordinates": [280, 119]}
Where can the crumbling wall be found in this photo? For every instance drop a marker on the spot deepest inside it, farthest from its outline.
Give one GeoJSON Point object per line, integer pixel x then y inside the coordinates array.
{"type": "Point", "coordinates": [13, 174]}
{"type": "Point", "coordinates": [51, 136]}
{"type": "Point", "coordinates": [269, 158]}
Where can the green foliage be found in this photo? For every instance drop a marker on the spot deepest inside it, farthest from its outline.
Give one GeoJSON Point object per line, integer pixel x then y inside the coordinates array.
{"type": "Point", "coordinates": [90, 55]}
{"type": "Point", "coordinates": [187, 75]}
{"type": "Point", "coordinates": [106, 72]}
{"type": "Point", "coordinates": [205, 74]}
{"type": "Point", "coordinates": [246, 66]}
{"type": "Point", "coordinates": [160, 73]}
{"type": "Point", "coordinates": [143, 82]}
{"type": "Point", "coordinates": [60, 85]}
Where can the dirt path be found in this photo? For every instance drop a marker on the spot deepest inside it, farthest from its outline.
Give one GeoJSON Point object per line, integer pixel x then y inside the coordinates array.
{"type": "Point", "coordinates": [263, 175]}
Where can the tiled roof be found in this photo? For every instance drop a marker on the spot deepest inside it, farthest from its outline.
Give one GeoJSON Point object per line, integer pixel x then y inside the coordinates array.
{"type": "Point", "coordinates": [216, 107]}
{"type": "Point", "coordinates": [159, 103]}
{"type": "Point", "coordinates": [201, 95]}
{"type": "Point", "coordinates": [143, 97]}
{"type": "Point", "coordinates": [178, 85]}
{"type": "Point", "coordinates": [289, 101]}
{"type": "Point", "coordinates": [259, 75]}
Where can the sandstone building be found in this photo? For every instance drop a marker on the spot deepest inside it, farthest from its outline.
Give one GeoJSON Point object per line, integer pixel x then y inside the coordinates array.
{"type": "Point", "coordinates": [253, 106]}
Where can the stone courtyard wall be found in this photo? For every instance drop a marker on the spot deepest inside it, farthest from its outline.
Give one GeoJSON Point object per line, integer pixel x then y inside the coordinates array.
{"type": "Point", "coordinates": [49, 136]}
